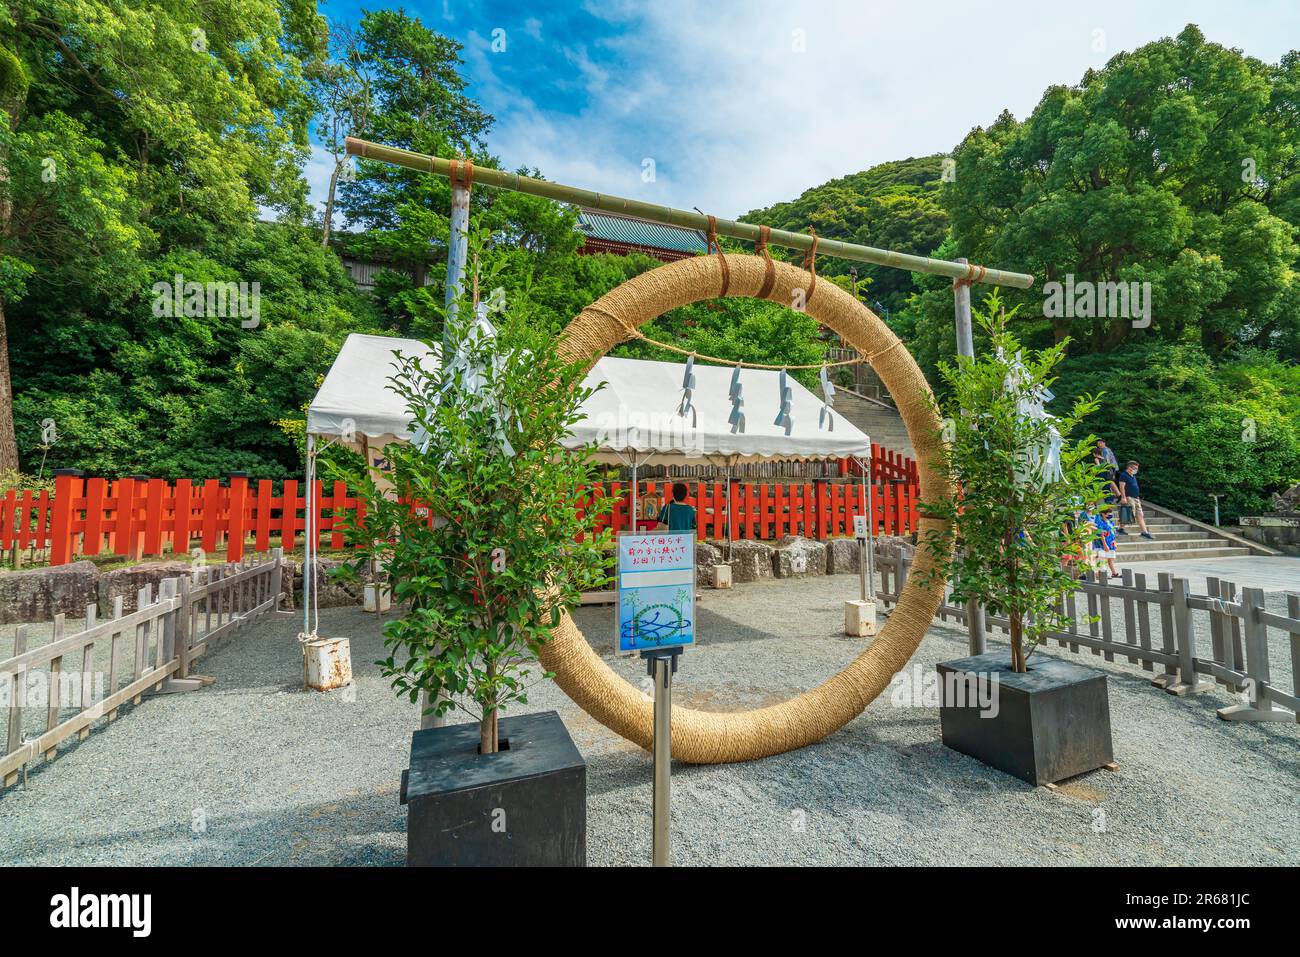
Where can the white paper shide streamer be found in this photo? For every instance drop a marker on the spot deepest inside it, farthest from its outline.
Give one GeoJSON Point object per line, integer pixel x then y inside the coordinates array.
{"type": "Point", "coordinates": [1039, 465]}
{"type": "Point", "coordinates": [787, 399]}
{"type": "Point", "coordinates": [826, 420]}
{"type": "Point", "coordinates": [463, 371]}
{"type": "Point", "coordinates": [688, 391]}
{"type": "Point", "coordinates": [737, 396]}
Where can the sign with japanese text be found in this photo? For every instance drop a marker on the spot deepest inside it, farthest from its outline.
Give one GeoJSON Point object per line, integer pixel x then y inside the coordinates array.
{"type": "Point", "coordinates": [656, 590]}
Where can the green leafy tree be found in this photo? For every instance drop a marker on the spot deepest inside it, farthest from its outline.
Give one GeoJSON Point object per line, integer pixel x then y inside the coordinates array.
{"type": "Point", "coordinates": [1013, 517]}
{"type": "Point", "coordinates": [1174, 165]}
{"type": "Point", "coordinates": [1197, 427]}
{"type": "Point", "coordinates": [476, 521]}
{"type": "Point", "coordinates": [144, 146]}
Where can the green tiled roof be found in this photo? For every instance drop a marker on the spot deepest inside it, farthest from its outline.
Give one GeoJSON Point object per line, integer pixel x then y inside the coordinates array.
{"type": "Point", "coordinates": [638, 232]}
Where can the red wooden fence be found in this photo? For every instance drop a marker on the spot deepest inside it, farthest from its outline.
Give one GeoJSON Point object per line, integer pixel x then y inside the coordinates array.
{"type": "Point", "coordinates": [768, 511]}
{"type": "Point", "coordinates": [134, 517]}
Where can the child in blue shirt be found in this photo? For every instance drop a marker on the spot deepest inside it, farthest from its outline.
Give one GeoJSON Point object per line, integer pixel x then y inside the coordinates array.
{"type": "Point", "coordinates": [1104, 543]}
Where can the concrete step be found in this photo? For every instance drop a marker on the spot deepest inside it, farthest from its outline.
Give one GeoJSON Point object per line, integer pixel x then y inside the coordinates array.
{"type": "Point", "coordinates": [1186, 554]}
{"type": "Point", "coordinates": [884, 426]}
{"type": "Point", "coordinates": [1161, 536]}
{"type": "Point", "coordinates": [1135, 544]}
{"type": "Point", "coordinates": [1134, 531]}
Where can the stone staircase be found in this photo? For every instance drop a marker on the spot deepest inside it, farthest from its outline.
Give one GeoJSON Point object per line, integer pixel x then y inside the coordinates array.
{"type": "Point", "coordinates": [881, 422]}
{"type": "Point", "coordinates": [1172, 540]}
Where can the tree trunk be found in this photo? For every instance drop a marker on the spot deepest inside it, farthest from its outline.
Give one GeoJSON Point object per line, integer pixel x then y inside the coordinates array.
{"type": "Point", "coordinates": [1017, 640]}
{"type": "Point", "coordinates": [487, 726]}
{"type": "Point", "coordinates": [8, 441]}
{"type": "Point", "coordinates": [13, 100]}
{"type": "Point", "coordinates": [487, 733]}
{"type": "Point", "coordinates": [329, 207]}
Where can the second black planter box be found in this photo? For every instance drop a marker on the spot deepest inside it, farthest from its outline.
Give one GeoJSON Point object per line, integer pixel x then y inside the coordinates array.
{"type": "Point", "coordinates": [1049, 723]}
{"type": "Point", "coordinates": [523, 806]}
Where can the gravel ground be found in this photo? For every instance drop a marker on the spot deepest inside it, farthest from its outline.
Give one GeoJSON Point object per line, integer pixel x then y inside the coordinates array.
{"type": "Point", "coordinates": [253, 770]}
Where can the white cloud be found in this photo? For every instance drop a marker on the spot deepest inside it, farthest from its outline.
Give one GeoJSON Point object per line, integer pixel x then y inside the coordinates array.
{"type": "Point", "coordinates": [736, 118]}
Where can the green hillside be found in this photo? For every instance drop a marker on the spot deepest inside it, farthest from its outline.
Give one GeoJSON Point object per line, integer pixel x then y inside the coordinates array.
{"type": "Point", "coordinates": [894, 205]}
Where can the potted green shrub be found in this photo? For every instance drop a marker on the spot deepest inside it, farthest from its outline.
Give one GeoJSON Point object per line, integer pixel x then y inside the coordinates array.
{"type": "Point", "coordinates": [483, 548]}
{"type": "Point", "coordinates": [1013, 531]}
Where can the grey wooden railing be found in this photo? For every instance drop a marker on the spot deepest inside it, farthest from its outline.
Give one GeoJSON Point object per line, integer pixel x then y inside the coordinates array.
{"type": "Point", "coordinates": [1157, 628]}
{"type": "Point", "coordinates": [159, 641]}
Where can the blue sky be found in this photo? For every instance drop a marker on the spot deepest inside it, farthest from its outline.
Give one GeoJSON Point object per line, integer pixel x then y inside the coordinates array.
{"type": "Point", "coordinates": [741, 105]}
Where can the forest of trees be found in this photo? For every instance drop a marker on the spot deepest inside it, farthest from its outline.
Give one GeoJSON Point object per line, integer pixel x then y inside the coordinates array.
{"type": "Point", "coordinates": [139, 149]}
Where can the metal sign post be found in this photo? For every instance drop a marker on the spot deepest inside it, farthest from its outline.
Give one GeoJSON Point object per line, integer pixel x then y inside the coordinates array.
{"type": "Point", "coordinates": [655, 616]}
{"type": "Point", "coordinates": [861, 528]}
{"type": "Point", "coordinates": [661, 666]}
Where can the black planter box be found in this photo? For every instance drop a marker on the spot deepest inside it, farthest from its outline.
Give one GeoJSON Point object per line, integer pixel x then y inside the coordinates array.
{"type": "Point", "coordinates": [1052, 722]}
{"type": "Point", "coordinates": [523, 806]}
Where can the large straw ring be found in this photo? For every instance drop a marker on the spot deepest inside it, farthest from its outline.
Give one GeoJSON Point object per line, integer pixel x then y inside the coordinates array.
{"type": "Point", "coordinates": [705, 737]}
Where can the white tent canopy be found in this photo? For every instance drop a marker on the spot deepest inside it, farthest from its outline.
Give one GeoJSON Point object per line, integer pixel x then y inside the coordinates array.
{"type": "Point", "coordinates": [355, 398]}
{"type": "Point", "coordinates": [633, 417]}
{"type": "Point", "coordinates": [636, 415]}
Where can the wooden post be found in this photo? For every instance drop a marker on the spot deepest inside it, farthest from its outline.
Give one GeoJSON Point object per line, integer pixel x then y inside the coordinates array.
{"type": "Point", "coordinates": [167, 590]}
{"type": "Point", "coordinates": [1293, 612]}
{"type": "Point", "coordinates": [235, 528]}
{"type": "Point", "coordinates": [122, 544]}
{"type": "Point", "coordinates": [151, 537]}
{"type": "Point", "coordinates": [277, 577]}
{"type": "Point", "coordinates": [1185, 637]}
{"type": "Point", "coordinates": [87, 669]}
{"type": "Point", "coordinates": [457, 248]}
{"type": "Point", "coordinates": [1168, 642]}
{"type": "Point", "coordinates": [966, 347]}
{"type": "Point", "coordinates": [181, 499]}
{"type": "Point", "coordinates": [1259, 708]}
{"type": "Point", "coordinates": [211, 508]}
{"type": "Point", "coordinates": [1130, 623]}
{"type": "Point", "coordinates": [1144, 623]}
{"type": "Point", "coordinates": [56, 669]}
{"type": "Point", "coordinates": [68, 485]}
{"type": "Point", "coordinates": [142, 598]}
{"type": "Point", "coordinates": [288, 513]}
{"type": "Point", "coordinates": [18, 688]}
{"type": "Point", "coordinates": [113, 643]}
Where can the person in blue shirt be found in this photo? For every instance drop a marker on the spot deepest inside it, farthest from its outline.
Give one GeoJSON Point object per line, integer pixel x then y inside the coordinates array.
{"type": "Point", "coordinates": [677, 515]}
{"type": "Point", "coordinates": [1104, 543]}
{"type": "Point", "coordinates": [1130, 499]}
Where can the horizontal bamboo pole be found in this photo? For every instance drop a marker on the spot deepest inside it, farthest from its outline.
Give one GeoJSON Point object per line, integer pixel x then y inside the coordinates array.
{"type": "Point", "coordinates": [689, 219]}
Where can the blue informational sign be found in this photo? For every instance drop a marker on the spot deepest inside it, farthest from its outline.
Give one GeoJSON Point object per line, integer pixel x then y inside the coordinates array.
{"type": "Point", "coordinates": [656, 590]}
